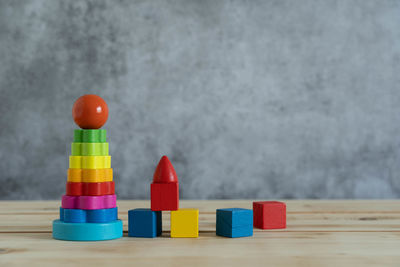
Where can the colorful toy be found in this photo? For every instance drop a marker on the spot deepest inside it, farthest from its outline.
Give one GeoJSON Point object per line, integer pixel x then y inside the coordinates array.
{"type": "Point", "coordinates": [89, 162]}
{"type": "Point", "coordinates": [269, 214]}
{"type": "Point", "coordinates": [90, 216]}
{"type": "Point", "coordinates": [164, 196]}
{"type": "Point", "coordinates": [88, 210]}
{"type": "Point", "coordinates": [90, 136]}
{"type": "Point", "coordinates": [90, 175]}
{"type": "Point", "coordinates": [89, 149]}
{"type": "Point", "coordinates": [144, 223]}
{"type": "Point", "coordinates": [185, 223]}
{"type": "Point", "coordinates": [90, 189]}
{"type": "Point", "coordinates": [87, 231]}
{"type": "Point", "coordinates": [90, 112]}
{"type": "Point", "coordinates": [234, 222]}
{"type": "Point", "coordinates": [165, 187]}
{"type": "Point", "coordinates": [89, 202]}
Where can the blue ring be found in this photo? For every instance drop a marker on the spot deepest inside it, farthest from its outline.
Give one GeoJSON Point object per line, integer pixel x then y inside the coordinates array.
{"type": "Point", "coordinates": [87, 231]}
{"type": "Point", "coordinates": [89, 216]}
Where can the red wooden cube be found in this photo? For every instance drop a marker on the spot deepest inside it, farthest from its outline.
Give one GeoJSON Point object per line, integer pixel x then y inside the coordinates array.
{"type": "Point", "coordinates": [164, 196]}
{"type": "Point", "coordinates": [269, 214]}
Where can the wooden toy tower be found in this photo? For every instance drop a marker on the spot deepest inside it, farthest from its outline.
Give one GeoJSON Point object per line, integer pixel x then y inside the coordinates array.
{"type": "Point", "coordinates": [88, 209]}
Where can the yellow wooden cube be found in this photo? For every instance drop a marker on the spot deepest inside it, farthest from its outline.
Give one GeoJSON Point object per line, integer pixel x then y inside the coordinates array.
{"type": "Point", "coordinates": [185, 223]}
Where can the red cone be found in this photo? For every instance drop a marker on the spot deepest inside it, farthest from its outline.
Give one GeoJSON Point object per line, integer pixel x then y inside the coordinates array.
{"type": "Point", "coordinates": [165, 172]}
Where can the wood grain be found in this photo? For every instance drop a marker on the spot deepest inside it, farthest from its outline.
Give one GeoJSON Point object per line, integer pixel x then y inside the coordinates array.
{"type": "Point", "coordinates": [319, 233]}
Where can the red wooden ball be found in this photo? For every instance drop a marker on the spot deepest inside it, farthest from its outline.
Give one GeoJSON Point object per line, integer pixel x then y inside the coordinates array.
{"type": "Point", "coordinates": [90, 112]}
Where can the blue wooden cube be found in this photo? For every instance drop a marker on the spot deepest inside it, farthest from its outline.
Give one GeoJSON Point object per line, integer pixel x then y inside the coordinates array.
{"type": "Point", "coordinates": [234, 222]}
{"type": "Point", "coordinates": [144, 223]}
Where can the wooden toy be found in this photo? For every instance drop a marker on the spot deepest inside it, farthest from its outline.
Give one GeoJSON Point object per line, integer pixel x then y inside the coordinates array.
{"type": "Point", "coordinates": [88, 210]}
{"type": "Point", "coordinates": [87, 231]}
{"type": "Point", "coordinates": [90, 175]}
{"type": "Point", "coordinates": [102, 215]}
{"type": "Point", "coordinates": [89, 149]}
{"type": "Point", "coordinates": [185, 223]}
{"type": "Point", "coordinates": [269, 214]}
{"type": "Point", "coordinates": [90, 189]}
{"type": "Point", "coordinates": [89, 202]}
{"type": "Point", "coordinates": [90, 136]}
{"type": "Point", "coordinates": [165, 187]}
{"type": "Point", "coordinates": [73, 215]}
{"type": "Point", "coordinates": [89, 216]}
{"type": "Point", "coordinates": [90, 162]}
{"type": "Point", "coordinates": [165, 172]}
{"type": "Point", "coordinates": [234, 222]}
{"type": "Point", "coordinates": [164, 197]}
{"type": "Point", "coordinates": [144, 223]}
{"type": "Point", "coordinates": [90, 112]}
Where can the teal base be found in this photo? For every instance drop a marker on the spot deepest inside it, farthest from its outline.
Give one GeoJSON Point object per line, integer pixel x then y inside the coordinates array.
{"type": "Point", "coordinates": [87, 231]}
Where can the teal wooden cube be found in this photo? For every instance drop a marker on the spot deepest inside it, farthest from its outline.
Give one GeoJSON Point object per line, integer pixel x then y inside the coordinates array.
{"type": "Point", "coordinates": [144, 223]}
{"type": "Point", "coordinates": [234, 222]}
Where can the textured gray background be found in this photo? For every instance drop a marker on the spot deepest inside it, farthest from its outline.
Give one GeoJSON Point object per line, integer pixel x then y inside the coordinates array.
{"type": "Point", "coordinates": [249, 99]}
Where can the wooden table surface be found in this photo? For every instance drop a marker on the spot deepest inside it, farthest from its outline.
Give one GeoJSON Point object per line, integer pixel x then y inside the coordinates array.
{"type": "Point", "coordinates": [319, 233]}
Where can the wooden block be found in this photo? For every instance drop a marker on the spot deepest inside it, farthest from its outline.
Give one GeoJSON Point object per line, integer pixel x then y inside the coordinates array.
{"type": "Point", "coordinates": [234, 222]}
{"type": "Point", "coordinates": [89, 202]}
{"type": "Point", "coordinates": [164, 196]}
{"type": "Point", "coordinates": [269, 214]}
{"type": "Point", "coordinates": [90, 175]}
{"type": "Point", "coordinates": [89, 162]}
{"type": "Point", "coordinates": [90, 136]}
{"type": "Point", "coordinates": [185, 223]}
{"type": "Point", "coordinates": [89, 149]}
{"type": "Point", "coordinates": [165, 172]}
{"type": "Point", "coordinates": [144, 223]}
{"type": "Point", "coordinates": [90, 189]}
{"type": "Point", "coordinates": [165, 187]}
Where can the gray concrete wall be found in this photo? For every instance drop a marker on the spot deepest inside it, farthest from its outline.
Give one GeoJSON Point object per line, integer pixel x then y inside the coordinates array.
{"type": "Point", "coordinates": [249, 99]}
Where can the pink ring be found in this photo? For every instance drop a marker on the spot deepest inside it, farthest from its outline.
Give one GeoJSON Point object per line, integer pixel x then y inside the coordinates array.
{"type": "Point", "coordinates": [89, 202]}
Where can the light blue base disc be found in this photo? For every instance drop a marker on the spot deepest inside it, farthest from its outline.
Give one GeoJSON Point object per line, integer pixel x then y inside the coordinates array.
{"type": "Point", "coordinates": [87, 231]}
